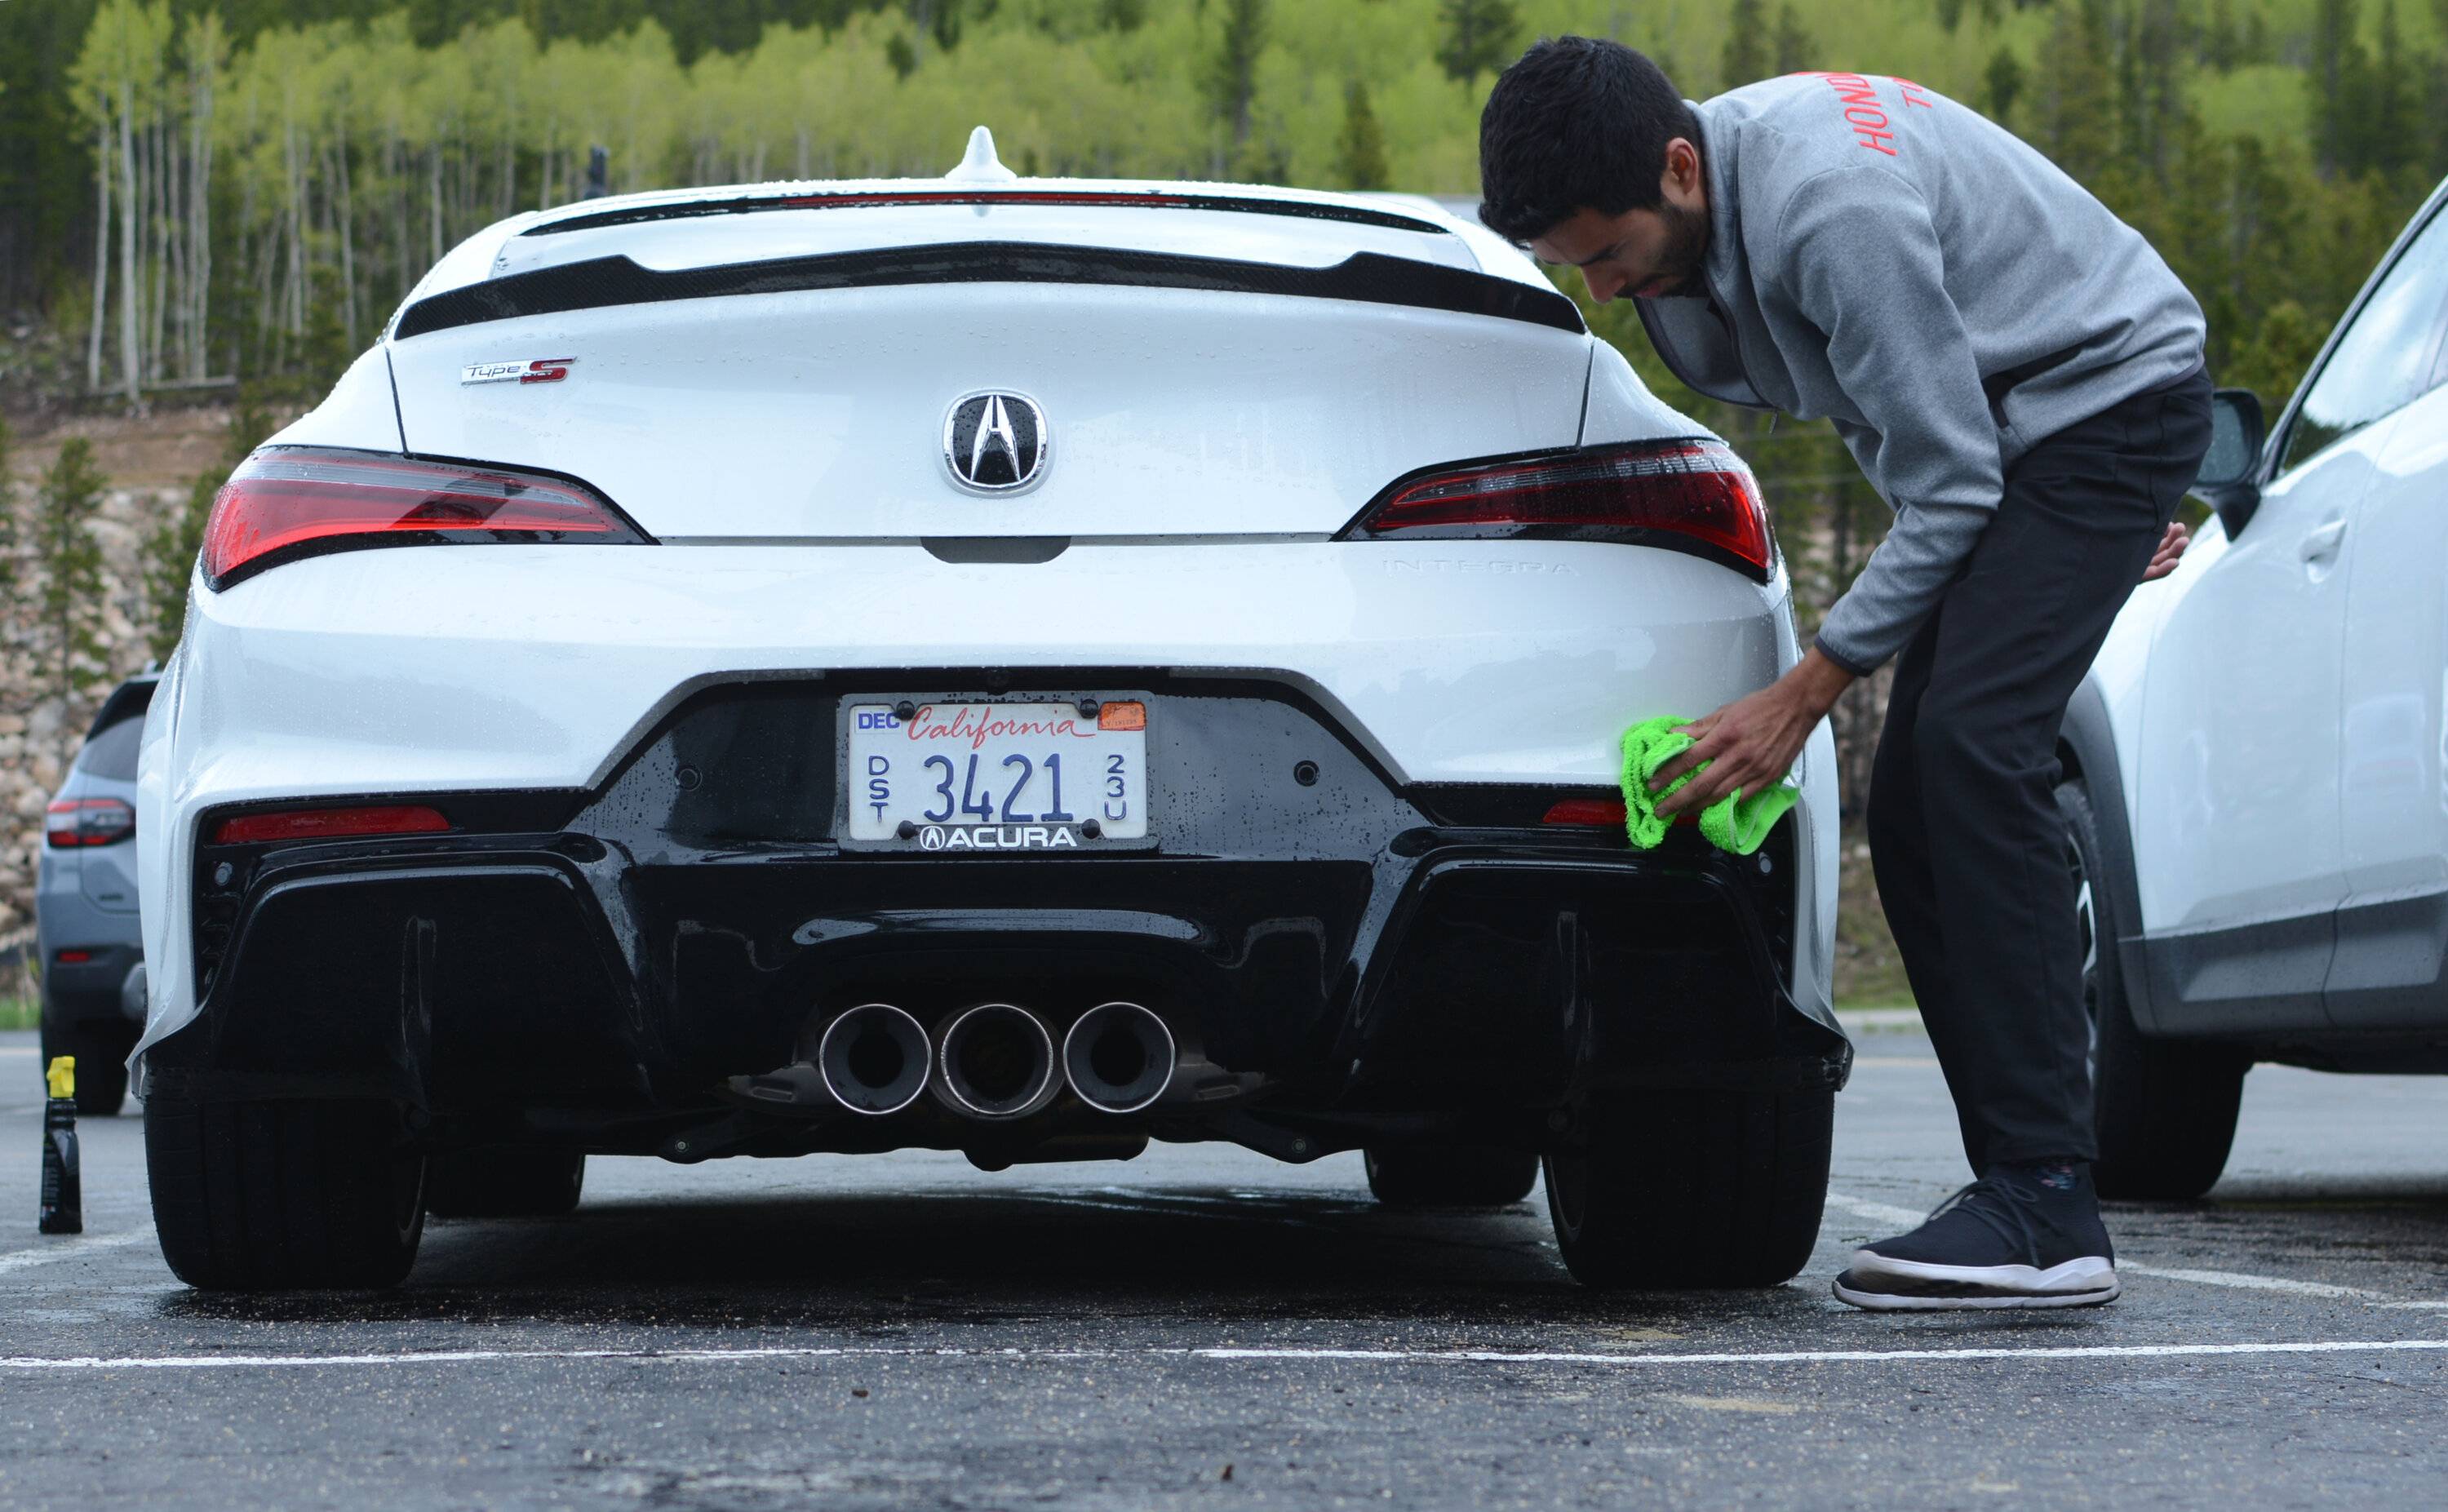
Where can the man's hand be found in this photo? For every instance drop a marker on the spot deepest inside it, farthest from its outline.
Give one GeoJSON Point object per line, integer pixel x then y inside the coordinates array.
{"type": "Point", "coordinates": [2172, 549]}
{"type": "Point", "coordinates": [1751, 742]}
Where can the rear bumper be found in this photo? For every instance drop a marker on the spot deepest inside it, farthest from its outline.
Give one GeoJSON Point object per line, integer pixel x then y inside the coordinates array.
{"type": "Point", "coordinates": [1353, 946]}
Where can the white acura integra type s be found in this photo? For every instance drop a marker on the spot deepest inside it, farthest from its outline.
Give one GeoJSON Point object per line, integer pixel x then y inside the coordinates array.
{"type": "Point", "coordinates": [1017, 666]}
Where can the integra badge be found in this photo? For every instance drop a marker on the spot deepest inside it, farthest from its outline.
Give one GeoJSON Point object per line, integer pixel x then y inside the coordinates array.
{"type": "Point", "coordinates": [538, 369]}
{"type": "Point", "coordinates": [997, 837]}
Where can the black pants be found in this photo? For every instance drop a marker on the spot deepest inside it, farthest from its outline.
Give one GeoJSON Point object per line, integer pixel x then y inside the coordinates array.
{"type": "Point", "coordinates": [1964, 834]}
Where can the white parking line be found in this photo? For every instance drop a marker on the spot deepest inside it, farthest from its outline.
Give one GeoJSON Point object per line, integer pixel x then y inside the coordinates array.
{"type": "Point", "coordinates": [68, 1247]}
{"type": "Point", "coordinates": [1230, 1355]}
{"type": "Point", "coordinates": [2242, 1280]}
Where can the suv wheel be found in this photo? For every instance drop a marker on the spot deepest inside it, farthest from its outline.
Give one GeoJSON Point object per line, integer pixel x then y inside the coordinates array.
{"type": "Point", "coordinates": [512, 1182]}
{"type": "Point", "coordinates": [1450, 1175]}
{"type": "Point", "coordinates": [1695, 1188]}
{"type": "Point", "coordinates": [2164, 1109]}
{"type": "Point", "coordinates": [266, 1196]}
{"type": "Point", "coordinates": [101, 1067]}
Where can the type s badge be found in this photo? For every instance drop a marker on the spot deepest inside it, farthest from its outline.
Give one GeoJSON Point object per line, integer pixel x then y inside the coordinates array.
{"type": "Point", "coordinates": [534, 369]}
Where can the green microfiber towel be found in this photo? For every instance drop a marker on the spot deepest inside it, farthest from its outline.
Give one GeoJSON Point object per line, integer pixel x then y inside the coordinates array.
{"type": "Point", "coordinates": [1738, 822]}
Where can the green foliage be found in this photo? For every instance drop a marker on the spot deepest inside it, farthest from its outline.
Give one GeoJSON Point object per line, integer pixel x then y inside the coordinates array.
{"type": "Point", "coordinates": [1363, 142]}
{"type": "Point", "coordinates": [1746, 58]}
{"type": "Point", "coordinates": [69, 559]}
{"type": "Point", "coordinates": [1233, 66]}
{"type": "Point", "coordinates": [1481, 36]}
{"type": "Point", "coordinates": [1796, 49]}
{"type": "Point", "coordinates": [2273, 361]}
{"type": "Point", "coordinates": [2001, 85]}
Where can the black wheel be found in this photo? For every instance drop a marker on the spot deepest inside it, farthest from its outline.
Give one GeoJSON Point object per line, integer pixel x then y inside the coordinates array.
{"type": "Point", "coordinates": [1698, 1188]}
{"type": "Point", "coordinates": [101, 1067]}
{"type": "Point", "coordinates": [2163, 1110]}
{"type": "Point", "coordinates": [269, 1195]}
{"type": "Point", "coordinates": [512, 1182]}
{"type": "Point", "coordinates": [1450, 1175]}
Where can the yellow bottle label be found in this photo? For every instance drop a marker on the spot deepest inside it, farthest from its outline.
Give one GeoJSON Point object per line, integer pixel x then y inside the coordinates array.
{"type": "Point", "coordinates": [63, 1076]}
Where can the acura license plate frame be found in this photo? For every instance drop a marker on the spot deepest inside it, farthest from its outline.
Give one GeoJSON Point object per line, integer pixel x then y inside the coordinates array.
{"type": "Point", "coordinates": [973, 775]}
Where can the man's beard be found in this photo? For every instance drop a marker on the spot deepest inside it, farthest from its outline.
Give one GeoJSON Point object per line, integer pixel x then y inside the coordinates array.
{"type": "Point", "coordinates": [1687, 250]}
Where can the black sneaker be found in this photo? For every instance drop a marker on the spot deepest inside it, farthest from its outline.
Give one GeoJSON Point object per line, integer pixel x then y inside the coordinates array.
{"type": "Point", "coordinates": [2021, 1236]}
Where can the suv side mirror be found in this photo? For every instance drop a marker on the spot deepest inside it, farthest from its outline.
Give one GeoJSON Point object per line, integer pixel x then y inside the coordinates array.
{"type": "Point", "coordinates": [2231, 475]}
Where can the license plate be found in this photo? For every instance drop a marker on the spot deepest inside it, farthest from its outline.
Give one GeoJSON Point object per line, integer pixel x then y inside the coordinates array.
{"type": "Point", "coordinates": [997, 776]}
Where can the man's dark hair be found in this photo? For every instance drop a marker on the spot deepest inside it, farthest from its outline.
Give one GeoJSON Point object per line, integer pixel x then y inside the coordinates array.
{"type": "Point", "coordinates": [1576, 121]}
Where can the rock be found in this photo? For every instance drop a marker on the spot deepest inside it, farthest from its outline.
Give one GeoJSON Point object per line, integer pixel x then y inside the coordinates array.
{"type": "Point", "coordinates": [13, 725]}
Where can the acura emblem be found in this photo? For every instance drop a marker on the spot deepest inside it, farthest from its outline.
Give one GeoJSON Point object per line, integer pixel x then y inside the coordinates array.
{"type": "Point", "coordinates": [995, 442]}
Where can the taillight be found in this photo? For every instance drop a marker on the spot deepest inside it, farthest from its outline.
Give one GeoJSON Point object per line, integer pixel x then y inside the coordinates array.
{"type": "Point", "coordinates": [1694, 496]}
{"type": "Point", "coordinates": [288, 501]}
{"type": "Point", "coordinates": [327, 824]}
{"type": "Point", "coordinates": [71, 823]}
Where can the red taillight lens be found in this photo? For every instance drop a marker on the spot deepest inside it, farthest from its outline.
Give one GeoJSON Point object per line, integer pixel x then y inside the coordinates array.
{"type": "Point", "coordinates": [288, 501]}
{"type": "Point", "coordinates": [73, 957]}
{"type": "Point", "coordinates": [327, 824]}
{"type": "Point", "coordinates": [70, 823]}
{"type": "Point", "coordinates": [1690, 495]}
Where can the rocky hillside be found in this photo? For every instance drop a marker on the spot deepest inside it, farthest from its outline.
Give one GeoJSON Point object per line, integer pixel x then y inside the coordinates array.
{"type": "Point", "coordinates": [149, 461]}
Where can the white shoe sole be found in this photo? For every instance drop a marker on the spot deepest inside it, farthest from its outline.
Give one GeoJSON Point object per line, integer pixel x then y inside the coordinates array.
{"type": "Point", "coordinates": [2091, 1273]}
{"type": "Point", "coordinates": [1925, 1302]}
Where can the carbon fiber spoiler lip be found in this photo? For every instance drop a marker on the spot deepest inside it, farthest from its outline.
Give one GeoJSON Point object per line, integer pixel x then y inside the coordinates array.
{"type": "Point", "coordinates": [607, 282]}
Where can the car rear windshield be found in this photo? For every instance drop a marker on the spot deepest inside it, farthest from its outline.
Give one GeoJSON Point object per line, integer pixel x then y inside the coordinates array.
{"type": "Point", "coordinates": [112, 753]}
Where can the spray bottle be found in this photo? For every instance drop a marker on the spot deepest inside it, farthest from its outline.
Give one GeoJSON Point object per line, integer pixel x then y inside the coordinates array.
{"type": "Point", "coordinates": [63, 1193]}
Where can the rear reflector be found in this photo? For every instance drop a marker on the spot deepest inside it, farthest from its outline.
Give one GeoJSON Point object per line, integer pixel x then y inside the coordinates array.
{"type": "Point", "coordinates": [288, 501]}
{"type": "Point", "coordinates": [1694, 496]}
{"type": "Point", "coordinates": [327, 824]}
{"type": "Point", "coordinates": [1587, 811]}
{"type": "Point", "coordinates": [71, 823]}
{"type": "Point", "coordinates": [1607, 812]}
{"type": "Point", "coordinates": [73, 957]}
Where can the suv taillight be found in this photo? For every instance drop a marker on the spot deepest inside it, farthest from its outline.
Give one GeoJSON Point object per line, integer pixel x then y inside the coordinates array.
{"type": "Point", "coordinates": [1694, 496]}
{"type": "Point", "coordinates": [288, 501]}
{"type": "Point", "coordinates": [71, 823]}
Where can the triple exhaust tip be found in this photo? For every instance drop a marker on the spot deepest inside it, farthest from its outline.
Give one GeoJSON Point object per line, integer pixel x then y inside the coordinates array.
{"type": "Point", "coordinates": [1119, 1057]}
{"type": "Point", "coordinates": [997, 1060]}
{"type": "Point", "coordinates": [873, 1058]}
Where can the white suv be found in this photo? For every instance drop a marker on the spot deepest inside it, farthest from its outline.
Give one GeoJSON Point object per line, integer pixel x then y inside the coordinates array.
{"type": "Point", "coordinates": [1016, 666]}
{"type": "Point", "coordinates": [2256, 796]}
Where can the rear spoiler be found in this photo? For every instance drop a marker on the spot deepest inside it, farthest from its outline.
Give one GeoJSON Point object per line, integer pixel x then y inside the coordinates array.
{"type": "Point", "coordinates": [1366, 277]}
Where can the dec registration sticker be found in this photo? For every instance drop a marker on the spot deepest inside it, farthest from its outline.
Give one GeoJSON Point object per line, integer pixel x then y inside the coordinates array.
{"type": "Point", "coordinates": [997, 776]}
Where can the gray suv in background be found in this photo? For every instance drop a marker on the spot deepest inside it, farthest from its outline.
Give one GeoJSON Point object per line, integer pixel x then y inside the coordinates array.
{"type": "Point", "coordinates": [84, 904]}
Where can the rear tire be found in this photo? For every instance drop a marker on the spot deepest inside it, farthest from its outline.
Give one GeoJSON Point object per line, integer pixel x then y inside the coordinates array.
{"type": "Point", "coordinates": [1693, 1189]}
{"type": "Point", "coordinates": [101, 1067]}
{"type": "Point", "coordinates": [512, 1182]}
{"type": "Point", "coordinates": [2163, 1111]}
{"type": "Point", "coordinates": [1450, 1175]}
{"type": "Point", "coordinates": [273, 1196]}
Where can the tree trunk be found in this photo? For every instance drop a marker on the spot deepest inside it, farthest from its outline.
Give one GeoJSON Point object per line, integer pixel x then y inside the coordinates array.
{"type": "Point", "coordinates": [129, 292]}
{"type": "Point", "coordinates": [199, 287]}
{"type": "Point", "coordinates": [101, 251]}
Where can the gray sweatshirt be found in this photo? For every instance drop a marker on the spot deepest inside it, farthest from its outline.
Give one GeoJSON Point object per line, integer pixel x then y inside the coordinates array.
{"type": "Point", "coordinates": [1890, 259]}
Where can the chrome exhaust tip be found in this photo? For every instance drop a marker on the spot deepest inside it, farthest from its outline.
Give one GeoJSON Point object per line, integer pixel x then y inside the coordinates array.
{"type": "Point", "coordinates": [1119, 1057]}
{"type": "Point", "coordinates": [874, 1059]}
{"type": "Point", "coordinates": [996, 1061]}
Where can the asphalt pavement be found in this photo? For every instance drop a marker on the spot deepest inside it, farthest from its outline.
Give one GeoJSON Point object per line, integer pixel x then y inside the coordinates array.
{"type": "Point", "coordinates": [1205, 1327]}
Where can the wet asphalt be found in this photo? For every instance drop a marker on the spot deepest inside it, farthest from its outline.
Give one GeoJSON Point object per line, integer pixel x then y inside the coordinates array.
{"type": "Point", "coordinates": [1204, 1326]}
